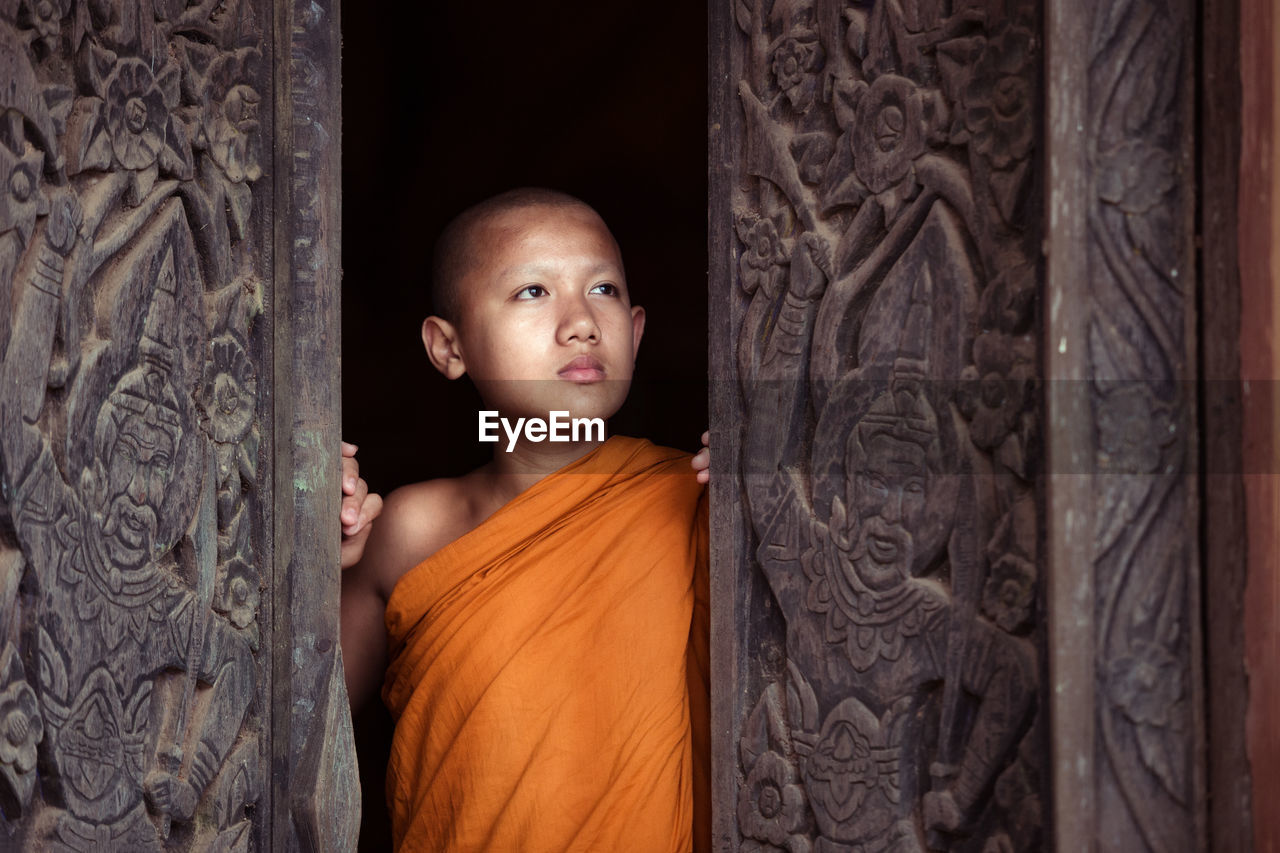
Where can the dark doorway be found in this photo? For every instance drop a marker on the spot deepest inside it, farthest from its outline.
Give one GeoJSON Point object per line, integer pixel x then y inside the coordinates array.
{"type": "Point", "coordinates": [445, 104]}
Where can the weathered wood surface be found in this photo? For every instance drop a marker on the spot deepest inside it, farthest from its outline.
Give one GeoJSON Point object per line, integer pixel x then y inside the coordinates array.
{"type": "Point", "coordinates": [316, 803]}
{"type": "Point", "coordinates": [1259, 212]}
{"type": "Point", "coordinates": [886, 681]}
{"type": "Point", "coordinates": [142, 603]}
{"type": "Point", "coordinates": [1226, 542]}
{"type": "Point", "coordinates": [1123, 493]}
{"type": "Point", "coordinates": [899, 637]}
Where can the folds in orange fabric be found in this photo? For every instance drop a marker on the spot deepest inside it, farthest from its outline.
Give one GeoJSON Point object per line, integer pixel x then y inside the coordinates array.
{"type": "Point", "coordinates": [548, 669]}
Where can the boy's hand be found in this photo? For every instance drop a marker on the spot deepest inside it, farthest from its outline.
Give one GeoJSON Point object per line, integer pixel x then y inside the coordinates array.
{"type": "Point", "coordinates": [359, 508]}
{"type": "Point", "coordinates": [702, 461]}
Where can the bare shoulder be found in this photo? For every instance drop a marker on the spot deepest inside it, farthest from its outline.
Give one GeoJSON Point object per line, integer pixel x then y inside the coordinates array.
{"type": "Point", "coordinates": [416, 521]}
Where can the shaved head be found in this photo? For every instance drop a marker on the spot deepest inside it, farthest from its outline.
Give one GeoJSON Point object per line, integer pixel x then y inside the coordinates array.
{"type": "Point", "coordinates": [456, 249]}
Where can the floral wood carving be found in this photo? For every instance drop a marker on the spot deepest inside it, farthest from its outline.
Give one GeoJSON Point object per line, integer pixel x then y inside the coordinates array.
{"type": "Point", "coordinates": [129, 412]}
{"type": "Point", "coordinates": [1141, 286]}
{"type": "Point", "coordinates": [888, 226]}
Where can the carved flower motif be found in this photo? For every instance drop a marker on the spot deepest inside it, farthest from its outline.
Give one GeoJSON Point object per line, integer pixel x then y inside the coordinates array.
{"type": "Point", "coordinates": [230, 392]}
{"type": "Point", "coordinates": [126, 121]}
{"type": "Point", "coordinates": [1017, 793]}
{"type": "Point", "coordinates": [1136, 176]}
{"type": "Point", "coordinates": [888, 133]}
{"type": "Point", "coordinates": [1009, 592]}
{"type": "Point", "coordinates": [1146, 687]}
{"type": "Point", "coordinates": [766, 248]}
{"type": "Point", "coordinates": [229, 119]}
{"type": "Point", "coordinates": [45, 18]}
{"type": "Point", "coordinates": [21, 195]}
{"type": "Point", "coordinates": [765, 253]}
{"type": "Point", "coordinates": [996, 388]}
{"type": "Point", "coordinates": [999, 98]}
{"type": "Point", "coordinates": [1146, 684]}
{"type": "Point", "coordinates": [21, 726]}
{"type": "Point", "coordinates": [241, 595]}
{"type": "Point", "coordinates": [795, 61]}
{"type": "Point", "coordinates": [771, 804]}
{"type": "Point", "coordinates": [1007, 301]}
{"type": "Point", "coordinates": [1133, 428]}
{"type": "Point", "coordinates": [136, 114]}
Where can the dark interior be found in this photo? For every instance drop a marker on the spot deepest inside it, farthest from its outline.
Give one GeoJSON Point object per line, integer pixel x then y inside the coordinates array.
{"type": "Point", "coordinates": [446, 104]}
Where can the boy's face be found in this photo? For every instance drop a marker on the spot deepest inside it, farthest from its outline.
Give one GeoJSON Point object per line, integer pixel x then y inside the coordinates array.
{"type": "Point", "coordinates": [545, 321]}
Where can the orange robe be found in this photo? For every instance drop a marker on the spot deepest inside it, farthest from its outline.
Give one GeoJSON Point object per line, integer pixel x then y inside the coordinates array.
{"type": "Point", "coordinates": [548, 669]}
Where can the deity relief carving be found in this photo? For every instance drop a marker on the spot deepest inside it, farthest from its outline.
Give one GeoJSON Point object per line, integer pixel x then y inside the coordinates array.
{"type": "Point", "coordinates": [888, 372]}
{"type": "Point", "coordinates": [129, 587]}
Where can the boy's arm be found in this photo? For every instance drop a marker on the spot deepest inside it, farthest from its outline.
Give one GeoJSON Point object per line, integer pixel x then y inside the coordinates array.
{"type": "Point", "coordinates": [411, 526]}
{"type": "Point", "coordinates": [364, 636]}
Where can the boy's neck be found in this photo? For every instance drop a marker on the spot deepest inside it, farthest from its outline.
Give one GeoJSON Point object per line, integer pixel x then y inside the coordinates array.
{"type": "Point", "coordinates": [512, 472]}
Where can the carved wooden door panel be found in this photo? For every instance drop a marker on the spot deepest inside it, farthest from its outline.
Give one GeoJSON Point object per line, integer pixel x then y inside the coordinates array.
{"type": "Point", "coordinates": [168, 658]}
{"type": "Point", "coordinates": [955, 527]}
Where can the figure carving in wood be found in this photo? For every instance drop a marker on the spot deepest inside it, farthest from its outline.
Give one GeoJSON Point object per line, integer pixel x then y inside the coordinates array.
{"type": "Point", "coordinates": [129, 414]}
{"type": "Point", "coordinates": [887, 218]}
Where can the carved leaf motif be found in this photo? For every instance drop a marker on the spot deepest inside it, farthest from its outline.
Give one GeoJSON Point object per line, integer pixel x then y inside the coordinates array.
{"type": "Point", "coordinates": [235, 839]}
{"type": "Point", "coordinates": [1149, 232]}
{"type": "Point", "coordinates": [802, 704]}
{"type": "Point", "coordinates": [1161, 751]}
{"type": "Point", "coordinates": [59, 99]}
{"type": "Point", "coordinates": [1136, 176]}
{"type": "Point", "coordinates": [1009, 188]}
{"type": "Point", "coordinates": [175, 155]}
{"type": "Point", "coordinates": [86, 145]}
{"type": "Point", "coordinates": [53, 671]}
{"type": "Point", "coordinates": [848, 93]}
{"type": "Point", "coordinates": [247, 457]}
{"type": "Point", "coordinates": [1155, 66]}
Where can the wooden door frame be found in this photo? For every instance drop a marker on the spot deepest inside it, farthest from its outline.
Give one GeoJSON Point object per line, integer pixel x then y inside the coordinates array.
{"type": "Point", "coordinates": [1254, 639]}
{"type": "Point", "coordinates": [314, 797]}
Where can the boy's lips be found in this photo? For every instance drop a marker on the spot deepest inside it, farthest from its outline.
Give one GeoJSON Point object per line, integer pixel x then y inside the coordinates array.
{"type": "Point", "coordinates": [583, 368]}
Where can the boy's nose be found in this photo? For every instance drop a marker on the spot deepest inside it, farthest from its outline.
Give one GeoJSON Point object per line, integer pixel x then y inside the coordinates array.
{"type": "Point", "coordinates": [579, 324]}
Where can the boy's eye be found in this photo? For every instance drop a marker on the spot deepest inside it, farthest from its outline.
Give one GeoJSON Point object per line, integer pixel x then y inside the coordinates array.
{"type": "Point", "coordinates": [606, 288]}
{"type": "Point", "coordinates": [531, 291]}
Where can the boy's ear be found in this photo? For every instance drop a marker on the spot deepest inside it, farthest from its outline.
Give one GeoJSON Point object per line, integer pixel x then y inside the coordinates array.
{"type": "Point", "coordinates": [637, 329]}
{"type": "Point", "coordinates": [440, 339]}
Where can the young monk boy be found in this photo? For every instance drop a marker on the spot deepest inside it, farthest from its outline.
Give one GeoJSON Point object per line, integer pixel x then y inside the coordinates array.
{"type": "Point", "coordinates": [544, 617]}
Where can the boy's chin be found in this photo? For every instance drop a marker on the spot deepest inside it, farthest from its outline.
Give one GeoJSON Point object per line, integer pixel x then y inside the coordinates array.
{"type": "Point", "coordinates": [596, 400]}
